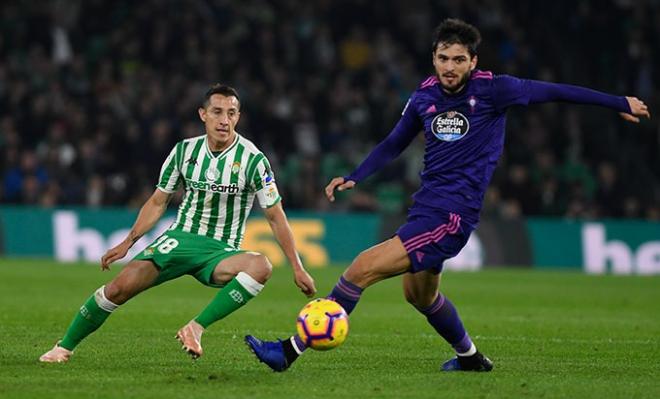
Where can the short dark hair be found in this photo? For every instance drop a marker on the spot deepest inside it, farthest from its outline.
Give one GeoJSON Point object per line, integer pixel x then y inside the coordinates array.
{"type": "Point", "coordinates": [456, 31]}
{"type": "Point", "coordinates": [222, 89]}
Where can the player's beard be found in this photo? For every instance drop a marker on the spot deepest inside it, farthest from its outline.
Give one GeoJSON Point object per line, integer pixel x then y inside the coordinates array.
{"type": "Point", "coordinates": [458, 85]}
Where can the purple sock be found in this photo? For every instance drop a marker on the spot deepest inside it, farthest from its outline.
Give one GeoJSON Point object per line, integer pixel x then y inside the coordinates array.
{"type": "Point", "coordinates": [442, 315]}
{"type": "Point", "coordinates": [346, 294]}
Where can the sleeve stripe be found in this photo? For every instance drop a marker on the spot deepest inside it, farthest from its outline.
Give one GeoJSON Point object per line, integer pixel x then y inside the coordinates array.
{"type": "Point", "coordinates": [253, 167]}
{"type": "Point", "coordinates": [179, 154]}
{"type": "Point", "coordinates": [169, 173]}
{"type": "Point", "coordinates": [167, 169]}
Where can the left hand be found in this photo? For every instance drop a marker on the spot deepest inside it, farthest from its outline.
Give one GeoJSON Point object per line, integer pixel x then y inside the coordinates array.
{"type": "Point", "coordinates": [637, 109]}
{"type": "Point", "coordinates": [339, 184]}
{"type": "Point", "coordinates": [305, 282]}
{"type": "Point", "coordinates": [115, 253]}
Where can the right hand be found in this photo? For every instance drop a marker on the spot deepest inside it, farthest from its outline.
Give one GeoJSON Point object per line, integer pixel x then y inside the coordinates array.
{"type": "Point", "coordinates": [637, 109]}
{"type": "Point", "coordinates": [115, 254]}
{"type": "Point", "coordinates": [305, 282]}
{"type": "Point", "coordinates": [340, 185]}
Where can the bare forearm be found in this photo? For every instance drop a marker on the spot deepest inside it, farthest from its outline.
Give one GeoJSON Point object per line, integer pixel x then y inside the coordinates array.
{"type": "Point", "coordinates": [282, 231]}
{"type": "Point", "coordinates": [284, 236]}
{"type": "Point", "coordinates": [149, 214]}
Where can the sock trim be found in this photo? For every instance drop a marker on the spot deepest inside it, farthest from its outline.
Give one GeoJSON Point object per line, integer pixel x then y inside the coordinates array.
{"type": "Point", "coordinates": [470, 352]}
{"type": "Point", "coordinates": [103, 302]}
{"type": "Point", "coordinates": [295, 346]}
{"type": "Point", "coordinates": [435, 306]}
{"type": "Point", "coordinates": [348, 289]}
{"type": "Point", "coordinates": [250, 284]}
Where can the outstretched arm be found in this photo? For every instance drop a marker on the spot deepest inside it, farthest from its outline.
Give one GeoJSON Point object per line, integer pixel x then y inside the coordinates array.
{"type": "Point", "coordinates": [149, 214]}
{"type": "Point", "coordinates": [384, 152]}
{"type": "Point", "coordinates": [630, 108]}
{"type": "Point", "coordinates": [509, 90]}
{"type": "Point", "coordinates": [284, 236]}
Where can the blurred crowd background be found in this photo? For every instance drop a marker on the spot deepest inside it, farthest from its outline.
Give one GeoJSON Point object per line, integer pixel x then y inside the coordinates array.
{"type": "Point", "coordinates": [94, 94]}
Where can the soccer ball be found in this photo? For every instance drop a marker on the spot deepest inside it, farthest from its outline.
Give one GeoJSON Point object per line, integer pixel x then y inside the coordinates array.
{"type": "Point", "coordinates": [322, 324]}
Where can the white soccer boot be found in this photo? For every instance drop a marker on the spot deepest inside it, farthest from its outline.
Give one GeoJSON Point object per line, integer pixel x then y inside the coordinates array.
{"type": "Point", "coordinates": [56, 355]}
{"type": "Point", "coordinates": [190, 337]}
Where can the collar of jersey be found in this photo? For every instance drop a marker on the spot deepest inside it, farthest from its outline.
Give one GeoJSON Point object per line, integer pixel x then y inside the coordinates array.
{"type": "Point", "coordinates": [223, 153]}
{"type": "Point", "coordinates": [457, 94]}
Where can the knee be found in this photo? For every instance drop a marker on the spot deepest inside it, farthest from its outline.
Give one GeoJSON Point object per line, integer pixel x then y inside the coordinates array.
{"type": "Point", "coordinates": [260, 268]}
{"type": "Point", "coordinates": [115, 293]}
{"type": "Point", "coordinates": [360, 273]}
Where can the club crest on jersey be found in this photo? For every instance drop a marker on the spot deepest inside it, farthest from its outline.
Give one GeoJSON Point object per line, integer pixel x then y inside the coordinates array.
{"type": "Point", "coordinates": [212, 174]}
{"type": "Point", "coordinates": [450, 126]}
{"type": "Point", "coordinates": [472, 101]}
{"type": "Point", "coordinates": [235, 167]}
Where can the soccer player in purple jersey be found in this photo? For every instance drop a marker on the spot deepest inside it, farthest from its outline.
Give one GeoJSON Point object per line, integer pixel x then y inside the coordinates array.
{"type": "Point", "coordinates": [462, 112]}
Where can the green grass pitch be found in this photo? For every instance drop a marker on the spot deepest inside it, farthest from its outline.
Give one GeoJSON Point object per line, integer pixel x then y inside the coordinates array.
{"type": "Point", "coordinates": [550, 334]}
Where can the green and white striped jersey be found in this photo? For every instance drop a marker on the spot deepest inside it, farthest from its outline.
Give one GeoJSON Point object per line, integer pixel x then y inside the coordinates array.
{"type": "Point", "coordinates": [219, 189]}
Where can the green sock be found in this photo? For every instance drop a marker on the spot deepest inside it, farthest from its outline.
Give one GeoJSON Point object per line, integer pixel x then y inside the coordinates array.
{"type": "Point", "coordinates": [231, 297]}
{"type": "Point", "coordinates": [87, 320]}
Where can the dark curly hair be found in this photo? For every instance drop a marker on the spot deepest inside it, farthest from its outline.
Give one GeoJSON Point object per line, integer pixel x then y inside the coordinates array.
{"type": "Point", "coordinates": [455, 31]}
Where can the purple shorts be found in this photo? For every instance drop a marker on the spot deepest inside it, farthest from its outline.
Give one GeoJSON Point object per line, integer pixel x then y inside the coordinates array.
{"type": "Point", "coordinates": [432, 236]}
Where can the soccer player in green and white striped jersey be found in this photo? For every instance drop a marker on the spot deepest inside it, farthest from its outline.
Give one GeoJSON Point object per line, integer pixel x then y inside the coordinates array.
{"type": "Point", "coordinates": [221, 172]}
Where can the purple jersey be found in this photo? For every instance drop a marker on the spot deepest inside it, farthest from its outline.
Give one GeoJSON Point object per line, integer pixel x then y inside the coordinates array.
{"type": "Point", "coordinates": [464, 134]}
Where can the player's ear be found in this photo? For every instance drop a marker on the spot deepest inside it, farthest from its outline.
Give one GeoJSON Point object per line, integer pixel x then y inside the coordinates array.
{"type": "Point", "coordinates": [473, 62]}
{"type": "Point", "coordinates": [202, 114]}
